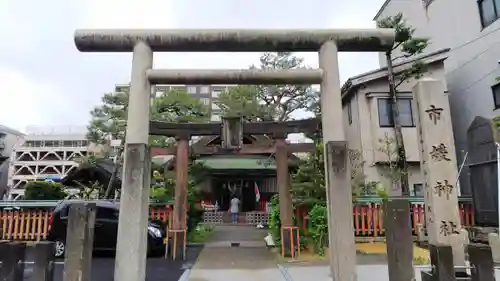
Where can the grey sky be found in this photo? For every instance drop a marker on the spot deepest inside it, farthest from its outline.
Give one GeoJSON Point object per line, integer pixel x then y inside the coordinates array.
{"type": "Point", "coordinates": [44, 80]}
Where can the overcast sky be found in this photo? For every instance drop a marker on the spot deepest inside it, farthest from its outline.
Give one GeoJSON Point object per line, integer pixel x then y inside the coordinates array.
{"type": "Point", "coordinates": [45, 81]}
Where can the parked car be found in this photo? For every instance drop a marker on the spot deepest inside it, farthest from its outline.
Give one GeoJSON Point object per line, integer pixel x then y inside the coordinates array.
{"type": "Point", "coordinates": [106, 228]}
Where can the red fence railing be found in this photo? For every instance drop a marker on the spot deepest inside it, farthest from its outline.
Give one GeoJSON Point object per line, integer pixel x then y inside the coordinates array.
{"type": "Point", "coordinates": [369, 218]}
{"type": "Point", "coordinates": [33, 223]}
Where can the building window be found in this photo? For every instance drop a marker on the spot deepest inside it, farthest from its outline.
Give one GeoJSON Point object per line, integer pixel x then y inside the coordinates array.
{"type": "Point", "coordinates": [349, 112]}
{"type": "Point", "coordinates": [418, 190]}
{"type": "Point", "coordinates": [205, 101]}
{"type": "Point", "coordinates": [215, 94]}
{"type": "Point", "coordinates": [191, 90]}
{"type": "Point", "coordinates": [385, 113]}
{"type": "Point", "coordinates": [496, 95]}
{"type": "Point", "coordinates": [489, 11]}
{"type": "Point", "coordinates": [215, 106]}
{"type": "Point", "coordinates": [215, 118]}
{"type": "Point", "coordinates": [50, 143]}
{"type": "Point", "coordinates": [205, 90]}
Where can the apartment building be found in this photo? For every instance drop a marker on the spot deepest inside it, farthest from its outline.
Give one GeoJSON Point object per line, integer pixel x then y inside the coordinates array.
{"type": "Point", "coordinates": [368, 121]}
{"type": "Point", "coordinates": [471, 29]}
{"type": "Point", "coordinates": [207, 94]}
{"type": "Point", "coordinates": [45, 153]}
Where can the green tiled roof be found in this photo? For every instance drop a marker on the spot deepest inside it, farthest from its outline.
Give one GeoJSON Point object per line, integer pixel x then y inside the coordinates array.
{"type": "Point", "coordinates": [238, 163]}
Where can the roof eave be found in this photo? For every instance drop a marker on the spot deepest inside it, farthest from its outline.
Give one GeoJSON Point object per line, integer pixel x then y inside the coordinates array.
{"type": "Point", "coordinates": [373, 75]}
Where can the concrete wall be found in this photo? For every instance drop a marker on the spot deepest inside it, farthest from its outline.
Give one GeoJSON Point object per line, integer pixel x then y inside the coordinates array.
{"type": "Point", "coordinates": [364, 132]}
{"type": "Point", "coordinates": [9, 138]}
{"type": "Point", "coordinates": [10, 141]}
{"type": "Point", "coordinates": [472, 65]}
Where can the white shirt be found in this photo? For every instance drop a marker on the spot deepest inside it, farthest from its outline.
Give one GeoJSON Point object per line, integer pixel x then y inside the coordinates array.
{"type": "Point", "coordinates": [235, 202]}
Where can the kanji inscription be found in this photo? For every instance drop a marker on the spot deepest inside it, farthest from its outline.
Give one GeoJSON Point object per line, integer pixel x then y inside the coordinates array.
{"type": "Point", "coordinates": [434, 113]}
{"type": "Point", "coordinates": [448, 228]}
{"type": "Point", "coordinates": [338, 152]}
{"type": "Point", "coordinates": [443, 188]}
{"type": "Point", "coordinates": [440, 153]}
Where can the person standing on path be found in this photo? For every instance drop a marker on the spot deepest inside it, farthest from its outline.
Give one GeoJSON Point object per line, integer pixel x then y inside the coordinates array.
{"type": "Point", "coordinates": [234, 209]}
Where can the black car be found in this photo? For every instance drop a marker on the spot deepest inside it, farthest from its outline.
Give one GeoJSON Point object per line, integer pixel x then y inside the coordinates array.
{"type": "Point", "coordinates": [106, 228]}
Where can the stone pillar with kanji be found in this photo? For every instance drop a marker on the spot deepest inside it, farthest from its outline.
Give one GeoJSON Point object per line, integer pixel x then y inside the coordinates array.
{"type": "Point", "coordinates": [439, 167]}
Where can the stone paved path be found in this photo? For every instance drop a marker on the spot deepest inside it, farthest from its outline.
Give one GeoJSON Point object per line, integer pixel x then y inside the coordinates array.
{"type": "Point", "coordinates": [218, 261]}
{"type": "Point", "coordinates": [252, 261]}
{"type": "Point", "coordinates": [365, 273]}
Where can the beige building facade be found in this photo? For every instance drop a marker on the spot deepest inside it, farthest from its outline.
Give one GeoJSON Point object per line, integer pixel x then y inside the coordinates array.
{"type": "Point", "coordinates": [368, 123]}
{"type": "Point", "coordinates": [471, 29]}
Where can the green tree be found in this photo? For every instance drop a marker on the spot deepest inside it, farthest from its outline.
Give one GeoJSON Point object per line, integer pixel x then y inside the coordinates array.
{"type": "Point", "coordinates": [241, 101]}
{"type": "Point", "coordinates": [269, 102]}
{"type": "Point", "coordinates": [163, 189]}
{"type": "Point", "coordinates": [308, 182]}
{"type": "Point", "coordinates": [90, 191]}
{"type": "Point", "coordinates": [409, 46]}
{"type": "Point", "coordinates": [178, 107]}
{"type": "Point", "coordinates": [108, 120]}
{"type": "Point", "coordinates": [309, 190]}
{"type": "Point", "coordinates": [44, 190]}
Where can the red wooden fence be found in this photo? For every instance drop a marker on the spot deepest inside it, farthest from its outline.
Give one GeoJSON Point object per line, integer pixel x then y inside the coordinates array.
{"type": "Point", "coordinates": [33, 224]}
{"type": "Point", "coordinates": [369, 218]}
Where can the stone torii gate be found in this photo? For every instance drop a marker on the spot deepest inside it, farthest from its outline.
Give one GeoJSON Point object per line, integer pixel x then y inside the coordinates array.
{"type": "Point", "coordinates": [231, 131]}
{"type": "Point", "coordinates": [131, 246]}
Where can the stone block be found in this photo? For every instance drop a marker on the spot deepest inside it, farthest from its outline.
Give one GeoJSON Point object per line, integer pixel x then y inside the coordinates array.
{"type": "Point", "coordinates": [44, 261]}
{"type": "Point", "coordinates": [458, 242]}
{"type": "Point", "coordinates": [421, 235]}
{"type": "Point", "coordinates": [12, 257]}
{"type": "Point", "coordinates": [399, 239]}
{"type": "Point", "coordinates": [494, 242]}
{"type": "Point", "coordinates": [79, 242]}
{"type": "Point", "coordinates": [481, 262]}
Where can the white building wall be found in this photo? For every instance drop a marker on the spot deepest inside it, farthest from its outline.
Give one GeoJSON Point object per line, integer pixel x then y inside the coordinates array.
{"type": "Point", "coordinates": [472, 66]}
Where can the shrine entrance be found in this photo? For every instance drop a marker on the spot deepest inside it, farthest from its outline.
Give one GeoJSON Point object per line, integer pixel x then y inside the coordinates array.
{"type": "Point", "coordinates": [225, 189]}
{"type": "Point", "coordinates": [238, 169]}
{"type": "Point", "coordinates": [135, 199]}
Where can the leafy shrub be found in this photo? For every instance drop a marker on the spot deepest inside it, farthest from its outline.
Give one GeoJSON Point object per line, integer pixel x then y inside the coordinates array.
{"type": "Point", "coordinates": [44, 190]}
{"type": "Point", "coordinates": [275, 220]}
{"type": "Point", "coordinates": [318, 228]}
